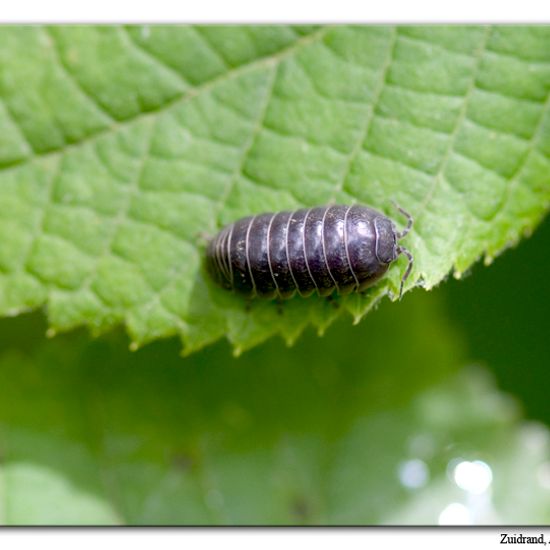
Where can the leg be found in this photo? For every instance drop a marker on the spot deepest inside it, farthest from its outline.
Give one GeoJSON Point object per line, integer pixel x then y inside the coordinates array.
{"type": "Point", "coordinates": [405, 252]}
{"type": "Point", "coordinates": [332, 301]}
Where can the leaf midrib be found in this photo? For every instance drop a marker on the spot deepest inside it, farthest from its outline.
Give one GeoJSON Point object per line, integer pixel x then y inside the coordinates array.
{"type": "Point", "coordinates": [189, 94]}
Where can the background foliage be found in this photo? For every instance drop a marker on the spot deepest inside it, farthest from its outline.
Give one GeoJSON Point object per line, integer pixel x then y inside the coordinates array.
{"type": "Point", "coordinates": [118, 146]}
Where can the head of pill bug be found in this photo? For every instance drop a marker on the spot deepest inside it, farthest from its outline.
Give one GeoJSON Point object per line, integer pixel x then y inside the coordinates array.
{"type": "Point", "coordinates": [386, 240]}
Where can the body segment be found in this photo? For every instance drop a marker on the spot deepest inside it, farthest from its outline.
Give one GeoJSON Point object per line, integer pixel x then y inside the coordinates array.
{"type": "Point", "coordinates": [322, 249]}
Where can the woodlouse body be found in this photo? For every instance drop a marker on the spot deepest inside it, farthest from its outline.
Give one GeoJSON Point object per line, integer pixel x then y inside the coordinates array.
{"type": "Point", "coordinates": [342, 248]}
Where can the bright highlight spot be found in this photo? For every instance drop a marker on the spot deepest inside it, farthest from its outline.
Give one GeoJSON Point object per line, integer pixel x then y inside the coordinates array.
{"type": "Point", "coordinates": [455, 514]}
{"type": "Point", "coordinates": [413, 473]}
{"type": "Point", "coordinates": [474, 477]}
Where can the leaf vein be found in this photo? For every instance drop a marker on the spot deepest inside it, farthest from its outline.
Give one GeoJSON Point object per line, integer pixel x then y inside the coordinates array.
{"type": "Point", "coordinates": [184, 97]}
{"type": "Point", "coordinates": [369, 116]}
{"type": "Point", "coordinates": [458, 124]}
{"type": "Point", "coordinates": [109, 119]}
{"type": "Point", "coordinates": [143, 51]}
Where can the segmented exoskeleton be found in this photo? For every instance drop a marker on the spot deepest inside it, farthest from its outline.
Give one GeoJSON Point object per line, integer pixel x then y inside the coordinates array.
{"type": "Point", "coordinates": [323, 249]}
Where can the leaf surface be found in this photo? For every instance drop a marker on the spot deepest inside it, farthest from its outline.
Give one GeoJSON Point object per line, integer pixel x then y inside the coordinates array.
{"type": "Point", "coordinates": [121, 147]}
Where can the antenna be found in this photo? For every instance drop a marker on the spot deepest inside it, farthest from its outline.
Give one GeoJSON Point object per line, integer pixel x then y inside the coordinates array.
{"type": "Point", "coordinates": [410, 220]}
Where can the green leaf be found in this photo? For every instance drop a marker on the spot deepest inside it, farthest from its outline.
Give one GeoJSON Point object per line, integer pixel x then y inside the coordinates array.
{"type": "Point", "coordinates": [325, 433]}
{"type": "Point", "coordinates": [121, 146]}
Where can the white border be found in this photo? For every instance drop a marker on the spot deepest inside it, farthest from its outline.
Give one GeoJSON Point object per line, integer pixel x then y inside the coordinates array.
{"type": "Point", "coordinates": [281, 11]}
{"type": "Point", "coordinates": [266, 539]}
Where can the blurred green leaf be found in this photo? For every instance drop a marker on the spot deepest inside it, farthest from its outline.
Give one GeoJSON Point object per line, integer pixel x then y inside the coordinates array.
{"type": "Point", "coordinates": [502, 312]}
{"type": "Point", "coordinates": [360, 427]}
{"type": "Point", "coordinates": [119, 146]}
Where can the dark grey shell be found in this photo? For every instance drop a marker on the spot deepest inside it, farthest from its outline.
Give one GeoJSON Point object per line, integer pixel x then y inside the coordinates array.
{"type": "Point", "coordinates": [323, 249]}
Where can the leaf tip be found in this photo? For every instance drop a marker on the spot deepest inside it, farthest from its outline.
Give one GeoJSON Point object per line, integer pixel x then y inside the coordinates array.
{"type": "Point", "coordinates": [186, 351]}
{"type": "Point", "coordinates": [134, 346]}
{"type": "Point", "coordinates": [51, 332]}
{"type": "Point", "coordinates": [290, 341]}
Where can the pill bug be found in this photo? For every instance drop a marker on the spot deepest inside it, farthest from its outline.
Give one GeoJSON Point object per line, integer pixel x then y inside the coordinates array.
{"type": "Point", "coordinates": [323, 249]}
